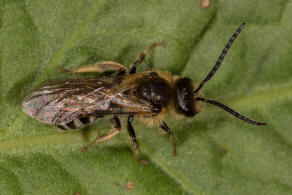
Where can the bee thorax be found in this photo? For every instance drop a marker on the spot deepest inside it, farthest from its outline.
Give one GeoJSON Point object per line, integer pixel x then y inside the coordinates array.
{"type": "Point", "coordinates": [156, 90]}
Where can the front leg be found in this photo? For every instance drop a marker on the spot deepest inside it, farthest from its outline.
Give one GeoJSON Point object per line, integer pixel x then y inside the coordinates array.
{"type": "Point", "coordinates": [170, 135]}
{"type": "Point", "coordinates": [142, 55]}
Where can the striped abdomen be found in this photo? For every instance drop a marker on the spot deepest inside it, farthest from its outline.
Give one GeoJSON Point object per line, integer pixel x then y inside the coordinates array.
{"type": "Point", "coordinates": [79, 122]}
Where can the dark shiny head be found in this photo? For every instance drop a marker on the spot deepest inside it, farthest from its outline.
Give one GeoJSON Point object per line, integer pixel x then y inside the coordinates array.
{"type": "Point", "coordinates": [184, 97]}
{"type": "Point", "coordinates": [156, 90]}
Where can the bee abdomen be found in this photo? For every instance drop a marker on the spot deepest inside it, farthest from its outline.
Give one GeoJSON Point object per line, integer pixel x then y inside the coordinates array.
{"type": "Point", "coordinates": [79, 122]}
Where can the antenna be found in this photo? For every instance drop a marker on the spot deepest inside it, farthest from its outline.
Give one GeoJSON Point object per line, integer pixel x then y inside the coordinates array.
{"type": "Point", "coordinates": [220, 59]}
{"type": "Point", "coordinates": [234, 113]}
{"type": "Point", "coordinates": [213, 71]}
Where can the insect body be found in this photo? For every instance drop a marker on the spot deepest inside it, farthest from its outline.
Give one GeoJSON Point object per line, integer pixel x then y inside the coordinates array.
{"type": "Point", "coordinates": [75, 103]}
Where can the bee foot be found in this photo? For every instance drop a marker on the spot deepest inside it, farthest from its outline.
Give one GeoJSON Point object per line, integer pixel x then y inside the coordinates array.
{"type": "Point", "coordinates": [163, 44]}
{"type": "Point", "coordinates": [65, 70]}
{"type": "Point", "coordinates": [174, 153]}
{"type": "Point", "coordinates": [84, 149]}
{"type": "Point", "coordinates": [145, 162]}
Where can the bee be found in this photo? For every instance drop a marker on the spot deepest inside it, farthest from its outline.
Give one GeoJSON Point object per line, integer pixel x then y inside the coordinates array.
{"type": "Point", "coordinates": [152, 95]}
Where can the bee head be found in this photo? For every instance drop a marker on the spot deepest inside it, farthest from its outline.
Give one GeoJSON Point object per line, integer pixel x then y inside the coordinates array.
{"type": "Point", "coordinates": [184, 100]}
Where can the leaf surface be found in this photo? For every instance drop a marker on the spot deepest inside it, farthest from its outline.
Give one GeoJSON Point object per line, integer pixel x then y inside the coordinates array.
{"type": "Point", "coordinates": [217, 154]}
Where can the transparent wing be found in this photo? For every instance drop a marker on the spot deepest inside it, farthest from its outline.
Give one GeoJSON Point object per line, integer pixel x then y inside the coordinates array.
{"type": "Point", "coordinates": [60, 102]}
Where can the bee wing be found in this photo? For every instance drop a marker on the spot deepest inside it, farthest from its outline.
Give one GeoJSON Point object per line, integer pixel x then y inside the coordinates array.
{"type": "Point", "coordinates": [60, 102]}
{"type": "Point", "coordinates": [131, 81]}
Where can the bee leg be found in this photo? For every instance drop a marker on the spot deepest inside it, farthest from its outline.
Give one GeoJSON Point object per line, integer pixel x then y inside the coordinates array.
{"type": "Point", "coordinates": [133, 135]}
{"type": "Point", "coordinates": [117, 128]}
{"type": "Point", "coordinates": [99, 67]}
{"type": "Point", "coordinates": [135, 142]}
{"type": "Point", "coordinates": [170, 135]}
{"type": "Point", "coordinates": [142, 55]}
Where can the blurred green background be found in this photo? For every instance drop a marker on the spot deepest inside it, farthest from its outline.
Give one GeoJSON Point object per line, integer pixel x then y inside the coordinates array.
{"type": "Point", "coordinates": [217, 153]}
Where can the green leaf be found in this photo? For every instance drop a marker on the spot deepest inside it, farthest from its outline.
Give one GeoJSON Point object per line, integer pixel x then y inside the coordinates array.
{"type": "Point", "coordinates": [217, 153]}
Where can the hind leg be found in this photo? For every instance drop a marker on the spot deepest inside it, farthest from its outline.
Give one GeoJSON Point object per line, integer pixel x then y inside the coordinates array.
{"type": "Point", "coordinates": [117, 128]}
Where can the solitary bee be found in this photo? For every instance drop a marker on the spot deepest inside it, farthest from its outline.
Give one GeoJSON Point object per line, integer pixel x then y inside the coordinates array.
{"type": "Point", "coordinates": [75, 103]}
